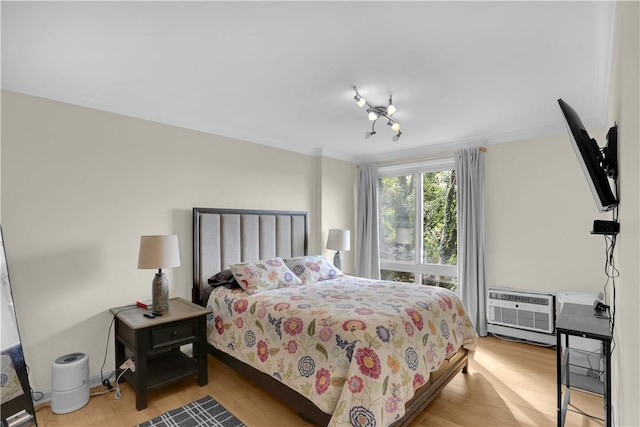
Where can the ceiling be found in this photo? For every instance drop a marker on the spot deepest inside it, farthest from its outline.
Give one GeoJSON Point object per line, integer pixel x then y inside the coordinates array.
{"type": "Point", "coordinates": [282, 73]}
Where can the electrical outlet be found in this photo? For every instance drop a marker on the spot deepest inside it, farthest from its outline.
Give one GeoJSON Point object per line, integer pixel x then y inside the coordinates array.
{"type": "Point", "coordinates": [127, 364]}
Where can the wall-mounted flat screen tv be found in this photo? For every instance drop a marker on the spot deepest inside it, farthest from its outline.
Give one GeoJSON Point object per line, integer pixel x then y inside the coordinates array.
{"type": "Point", "coordinates": [598, 165]}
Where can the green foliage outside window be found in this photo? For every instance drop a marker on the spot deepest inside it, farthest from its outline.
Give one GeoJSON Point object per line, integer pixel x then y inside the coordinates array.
{"type": "Point", "coordinates": [448, 282]}
{"type": "Point", "coordinates": [397, 276]}
{"type": "Point", "coordinates": [440, 218]}
{"type": "Point", "coordinates": [397, 211]}
{"type": "Point", "coordinates": [397, 197]}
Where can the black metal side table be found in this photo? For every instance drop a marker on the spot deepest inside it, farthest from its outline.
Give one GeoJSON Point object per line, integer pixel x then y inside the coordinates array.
{"type": "Point", "coordinates": [582, 321]}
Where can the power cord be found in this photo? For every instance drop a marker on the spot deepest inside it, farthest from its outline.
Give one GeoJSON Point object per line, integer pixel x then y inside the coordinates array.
{"type": "Point", "coordinates": [105, 382]}
{"type": "Point", "coordinates": [31, 390]}
{"type": "Point", "coordinates": [118, 394]}
{"type": "Point", "coordinates": [611, 271]}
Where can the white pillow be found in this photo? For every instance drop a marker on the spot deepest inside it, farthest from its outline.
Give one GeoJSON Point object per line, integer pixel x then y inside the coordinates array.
{"type": "Point", "coordinates": [258, 276]}
{"type": "Point", "coordinates": [313, 268]}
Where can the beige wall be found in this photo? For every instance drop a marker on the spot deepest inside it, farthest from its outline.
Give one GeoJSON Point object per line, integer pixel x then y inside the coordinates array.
{"type": "Point", "coordinates": [624, 109]}
{"type": "Point", "coordinates": [79, 186]}
{"type": "Point", "coordinates": [0, 165]}
{"type": "Point", "coordinates": [539, 211]}
{"type": "Point", "coordinates": [338, 205]}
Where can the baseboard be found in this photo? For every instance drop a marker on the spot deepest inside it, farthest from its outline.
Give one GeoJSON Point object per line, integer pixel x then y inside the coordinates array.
{"type": "Point", "coordinates": [94, 381]}
{"type": "Point", "coordinates": [522, 334]}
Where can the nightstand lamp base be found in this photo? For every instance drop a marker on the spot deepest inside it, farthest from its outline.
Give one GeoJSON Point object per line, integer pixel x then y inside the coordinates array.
{"type": "Point", "coordinates": [160, 293]}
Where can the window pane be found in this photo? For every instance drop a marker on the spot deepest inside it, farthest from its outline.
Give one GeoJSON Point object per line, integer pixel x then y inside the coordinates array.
{"type": "Point", "coordinates": [448, 282]}
{"type": "Point", "coordinates": [397, 218]}
{"type": "Point", "coordinates": [440, 218]}
{"type": "Point", "coordinates": [397, 276]}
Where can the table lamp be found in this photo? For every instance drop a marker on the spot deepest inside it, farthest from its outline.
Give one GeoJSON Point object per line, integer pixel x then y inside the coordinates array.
{"type": "Point", "coordinates": [159, 252]}
{"type": "Point", "coordinates": [338, 240]}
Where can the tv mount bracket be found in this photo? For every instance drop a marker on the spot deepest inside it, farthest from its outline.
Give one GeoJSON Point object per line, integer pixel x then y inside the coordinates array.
{"type": "Point", "coordinates": [609, 163]}
{"type": "Point", "coordinates": [610, 153]}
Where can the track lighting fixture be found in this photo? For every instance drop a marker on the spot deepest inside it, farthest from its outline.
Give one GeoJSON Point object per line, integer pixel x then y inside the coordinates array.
{"type": "Point", "coordinates": [391, 108]}
{"type": "Point", "coordinates": [360, 100]}
{"type": "Point", "coordinates": [377, 111]}
{"type": "Point", "coordinates": [394, 125]}
{"type": "Point", "coordinates": [373, 131]}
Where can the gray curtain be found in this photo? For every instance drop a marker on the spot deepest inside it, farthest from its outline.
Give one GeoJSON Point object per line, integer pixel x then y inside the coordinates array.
{"type": "Point", "coordinates": [367, 243]}
{"type": "Point", "coordinates": [471, 262]}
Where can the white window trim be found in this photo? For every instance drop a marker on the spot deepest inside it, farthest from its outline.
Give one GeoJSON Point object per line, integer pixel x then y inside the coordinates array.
{"type": "Point", "coordinates": [410, 267]}
{"type": "Point", "coordinates": [426, 166]}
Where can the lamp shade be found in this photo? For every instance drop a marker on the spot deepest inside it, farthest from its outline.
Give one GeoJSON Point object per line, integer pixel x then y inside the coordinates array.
{"type": "Point", "coordinates": [339, 239]}
{"type": "Point", "coordinates": [158, 252]}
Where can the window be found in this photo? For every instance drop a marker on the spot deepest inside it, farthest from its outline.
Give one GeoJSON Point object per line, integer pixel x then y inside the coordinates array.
{"type": "Point", "coordinates": [418, 224]}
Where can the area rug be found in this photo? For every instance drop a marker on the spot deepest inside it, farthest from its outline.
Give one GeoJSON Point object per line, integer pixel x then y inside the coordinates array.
{"type": "Point", "coordinates": [205, 412]}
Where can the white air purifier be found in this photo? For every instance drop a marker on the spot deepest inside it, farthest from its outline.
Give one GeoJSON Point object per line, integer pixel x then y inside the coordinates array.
{"type": "Point", "coordinates": [69, 383]}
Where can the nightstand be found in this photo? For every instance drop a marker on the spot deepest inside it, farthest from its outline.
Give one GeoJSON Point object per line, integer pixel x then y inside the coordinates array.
{"type": "Point", "coordinates": [154, 345]}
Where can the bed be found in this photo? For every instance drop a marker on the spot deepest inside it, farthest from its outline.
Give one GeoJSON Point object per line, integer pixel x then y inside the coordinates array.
{"type": "Point", "coordinates": [340, 350]}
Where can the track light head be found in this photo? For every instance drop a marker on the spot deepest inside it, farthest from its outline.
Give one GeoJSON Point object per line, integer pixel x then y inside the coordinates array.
{"type": "Point", "coordinates": [359, 99]}
{"type": "Point", "coordinates": [368, 134]}
{"type": "Point", "coordinates": [396, 137]}
{"type": "Point", "coordinates": [391, 108]}
{"type": "Point", "coordinates": [372, 115]}
{"type": "Point", "coordinates": [394, 125]}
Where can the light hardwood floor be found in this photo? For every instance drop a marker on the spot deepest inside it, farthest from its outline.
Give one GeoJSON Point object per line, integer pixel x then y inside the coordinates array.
{"type": "Point", "coordinates": [508, 384]}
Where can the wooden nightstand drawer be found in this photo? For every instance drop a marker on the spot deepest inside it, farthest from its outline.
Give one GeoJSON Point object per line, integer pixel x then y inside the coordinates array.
{"type": "Point", "coordinates": [174, 334]}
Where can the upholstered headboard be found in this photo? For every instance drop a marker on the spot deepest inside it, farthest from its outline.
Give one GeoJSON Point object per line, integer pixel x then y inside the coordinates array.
{"type": "Point", "coordinates": [222, 237]}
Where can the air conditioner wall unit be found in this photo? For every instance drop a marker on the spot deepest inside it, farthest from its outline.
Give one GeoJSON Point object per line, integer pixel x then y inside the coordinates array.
{"type": "Point", "coordinates": [526, 315]}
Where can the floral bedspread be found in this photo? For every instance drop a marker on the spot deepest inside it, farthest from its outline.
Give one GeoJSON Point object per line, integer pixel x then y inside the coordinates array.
{"type": "Point", "coordinates": [10, 386]}
{"type": "Point", "coordinates": [357, 348]}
